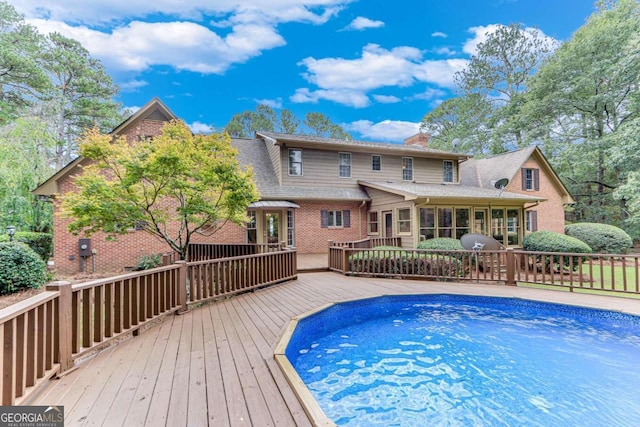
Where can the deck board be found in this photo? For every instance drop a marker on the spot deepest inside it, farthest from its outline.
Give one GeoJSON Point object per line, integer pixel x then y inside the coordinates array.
{"type": "Point", "coordinates": [214, 365]}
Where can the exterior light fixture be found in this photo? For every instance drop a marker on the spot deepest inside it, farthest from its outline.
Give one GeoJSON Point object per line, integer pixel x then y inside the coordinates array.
{"type": "Point", "coordinates": [11, 230]}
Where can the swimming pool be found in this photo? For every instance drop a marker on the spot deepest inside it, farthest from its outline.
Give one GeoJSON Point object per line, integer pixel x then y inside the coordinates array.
{"type": "Point", "coordinates": [465, 360]}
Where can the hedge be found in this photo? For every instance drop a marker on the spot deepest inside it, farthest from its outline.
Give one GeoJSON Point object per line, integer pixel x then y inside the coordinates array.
{"type": "Point", "coordinates": [20, 268]}
{"type": "Point", "coordinates": [550, 241]}
{"type": "Point", "coordinates": [601, 238]}
{"type": "Point", "coordinates": [391, 260]}
{"type": "Point", "coordinates": [40, 243]}
{"type": "Point", "coordinates": [441, 243]}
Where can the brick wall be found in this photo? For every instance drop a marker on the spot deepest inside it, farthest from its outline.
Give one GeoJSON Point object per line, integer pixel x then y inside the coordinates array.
{"type": "Point", "coordinates": [312, 238]}
{"type": "Point", "coordinates": [551, 211]}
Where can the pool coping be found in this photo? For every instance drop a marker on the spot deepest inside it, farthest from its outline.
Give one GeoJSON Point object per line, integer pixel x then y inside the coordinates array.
{"type": "Point", "coordinates": [311, 407]}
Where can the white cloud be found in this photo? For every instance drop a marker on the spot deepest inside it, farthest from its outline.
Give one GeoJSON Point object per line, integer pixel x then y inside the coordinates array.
{"type": "Point", "coordinates": [347, 97]}
{"type": "Point", "coordinates": [430, 94]}
{"type": "Point", "coordinates": [347, 81]}
{"type": "Point", "coordinates": [439, 34]}
{"type": "Point", "coordinates": [440, 72]}
{"type": "Point", "coordinates": [445, 51]}
{"type": "Point", "coordinates": [182, 45]}
{"type": "Point", "coordinates": [200, 128]}
{"type": "Point", "coordinates": [132, 85]}
{"type": "Point", "coordinates": [362, 23]}
{"type": "Point", "coordinates": [386, 99]}
{"type": "Point", "coordinates": [180, 38]}
{"type": "Point", "coordinates": [481, 33]}
{"type": "Point", "coordinates": [386, 130]}
{"type": "Point", "coordinates": [273, 103]}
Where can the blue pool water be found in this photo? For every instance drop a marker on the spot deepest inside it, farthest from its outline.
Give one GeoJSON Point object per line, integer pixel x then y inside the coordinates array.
{"type": "Point", "coordinates": [448, 360]}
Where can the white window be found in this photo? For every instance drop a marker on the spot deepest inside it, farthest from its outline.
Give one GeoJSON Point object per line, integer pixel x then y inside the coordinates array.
{"type": "Point", "coordinates": [373, 222]}
{"type": "Point", "coordinates": [447, 169]}
{"type": "Point", "coordinates": [335, 218]}
{"type": "Point", "coordinates": [376, 162]}
{"type": "Point", "coordinates": [344, 165]}
{"type": "Point", "coordinates": [295, 162]}
{"type": "Point", "coordinates": [404, 220]}
{"type": "Point", "coordinates": [291, 231]}
{"type": "Point", "coordinates": [407, 169]}
{"type": "Point", "coordinates": [252, 236]}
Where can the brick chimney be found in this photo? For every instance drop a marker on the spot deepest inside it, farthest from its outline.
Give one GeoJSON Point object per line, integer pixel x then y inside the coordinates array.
{"type": "Point", "coordinates": [421, 139]}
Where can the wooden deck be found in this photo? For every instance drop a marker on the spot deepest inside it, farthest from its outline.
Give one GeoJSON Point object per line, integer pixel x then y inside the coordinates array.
{"type": "Point", "coordinates": [214, 365]}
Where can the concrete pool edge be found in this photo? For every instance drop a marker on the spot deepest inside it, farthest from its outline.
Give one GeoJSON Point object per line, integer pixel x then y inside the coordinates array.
{"type": "Point", "coordinates": [313, 410]}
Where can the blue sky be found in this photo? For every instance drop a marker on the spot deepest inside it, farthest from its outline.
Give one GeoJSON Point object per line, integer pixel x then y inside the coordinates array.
{"type": "Point", "coordinates": [374, 66]}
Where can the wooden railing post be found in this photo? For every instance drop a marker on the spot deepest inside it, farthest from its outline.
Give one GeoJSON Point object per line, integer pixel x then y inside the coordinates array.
{"type": "Point", "coordinates": [345, 261]}
{"type": "Point", "coordinates": [511, 268]}
{"type": "Point", "coordinates": [330, 242]}
{"type": "Point", "coordinates": [62, 324]}
{"type": "Point", "coordinates": [182, 285]}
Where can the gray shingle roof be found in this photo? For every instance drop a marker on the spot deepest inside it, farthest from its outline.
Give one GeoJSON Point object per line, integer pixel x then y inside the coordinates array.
{"type": "Point", "coordinates": [481, 172]}
{"type": "Point", "coordinates": [345, 144]}
{"type": "Point", "coordinates": [446, 191]}
{"type": "Point", "coordinates": [253, 152]}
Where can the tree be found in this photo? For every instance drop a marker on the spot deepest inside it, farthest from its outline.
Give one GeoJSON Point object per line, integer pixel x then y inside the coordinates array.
{"type": "Point", "coordinates": [584, 103]}
{"type": "Point", "coordinates": [22, 78]}
{"type": "Point", "coordinates": [497, 76]}
{"type": "Point", "coordinates": [172, 186]}
{"type": "Point", "coordinates": [459, 124]}
{"type": "Point", "coordinates": [320, 125]}
{"type": "Point", "coordinates": [24, 147]}
{"type": "Point", "coordinates": [264, 118]}
{"type": "Point", "coordinates": [82, 94]}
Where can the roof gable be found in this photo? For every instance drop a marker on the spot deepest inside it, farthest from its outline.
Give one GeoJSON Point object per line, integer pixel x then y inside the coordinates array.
{"type": "Point", "coordinates": [153, 110]}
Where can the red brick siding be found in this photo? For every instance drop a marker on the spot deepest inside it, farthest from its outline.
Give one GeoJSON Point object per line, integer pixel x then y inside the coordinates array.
{"type": "Point", "coordinates": [312, 238]}
{"type": "Point", "coordinates": [551, 211]}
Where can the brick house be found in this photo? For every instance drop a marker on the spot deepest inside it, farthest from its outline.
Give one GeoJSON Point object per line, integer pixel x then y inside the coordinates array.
{"type": "Point", "coordinates": [313, 190]}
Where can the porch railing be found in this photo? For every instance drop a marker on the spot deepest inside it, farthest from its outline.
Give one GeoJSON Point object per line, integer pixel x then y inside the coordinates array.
{"type": "Point", "coordinates": [573, 271]}
{"type": "Point", "coordinates": [204, 251]}
{"type": "Point", "coordinates": [369, 242]}
{"type": "Point", "coordinates": [44, 335]}
{"type": "Point", "coordinates": [212, 279]}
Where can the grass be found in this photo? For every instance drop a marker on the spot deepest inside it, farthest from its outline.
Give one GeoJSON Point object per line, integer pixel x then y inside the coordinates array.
{"type": "Point", "coordinates": [602, 281]}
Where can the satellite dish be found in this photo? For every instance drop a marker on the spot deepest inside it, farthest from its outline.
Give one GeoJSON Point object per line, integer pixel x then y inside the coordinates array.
{"type": "Point", "coordinates": [501, 183]}
{"type": "Point", "coordinates": [479, 242]}
{"type": "Point", "coordinates": [455, 142]}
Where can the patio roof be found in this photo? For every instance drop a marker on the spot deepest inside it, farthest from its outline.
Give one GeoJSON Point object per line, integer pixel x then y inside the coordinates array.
{"type": "Point", "coordinates": [276, 204]}
{"type": "Point", "coordinates": [412, 191]}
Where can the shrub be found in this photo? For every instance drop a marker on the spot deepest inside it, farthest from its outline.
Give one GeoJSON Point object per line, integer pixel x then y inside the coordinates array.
{"type": "Point", "coordinates": [441, 243]}
{"type": "Point", "coordinates": [549, 241]}
{"type": "Point", "coordinates": [390, 260]}
{"type": "Point", "coordinates": [601, 238]}
{"type": "Point", "coordinates": [149, 261]}
{"type": "Point", "coordinates": [40, 243]}
{"type": "Point", "coordinates": [20, 268]}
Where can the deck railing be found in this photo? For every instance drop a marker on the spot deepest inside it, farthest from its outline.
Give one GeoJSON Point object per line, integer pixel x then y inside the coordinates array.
{"type": "Point", "coordinates": [369, 242]}
{"type": "Point", "coordinates": [217, 278]}
{"type": "Point", "coordinates": [205, 251]}
{"type": "Point", "coordinates": [573, 271]}
{"type": "Point", "coordinates": [43, 336]}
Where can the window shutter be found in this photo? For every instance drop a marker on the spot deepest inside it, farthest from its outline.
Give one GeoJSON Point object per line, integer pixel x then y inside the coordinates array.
{"type": "Point", "coordinates": [534, 220]}
{"type": "Point", "coordinates": [536, 179]}
{"type": "Point", "coordinates": [324, 219]}
{"type": "Point", "coordinates": [523, 172]}
{"type": "Point", "coordinates": [346, 219]}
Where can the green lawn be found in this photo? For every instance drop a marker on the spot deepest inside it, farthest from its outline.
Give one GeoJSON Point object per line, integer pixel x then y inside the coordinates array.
{"type": "Point", "coordinates": [601, 279]}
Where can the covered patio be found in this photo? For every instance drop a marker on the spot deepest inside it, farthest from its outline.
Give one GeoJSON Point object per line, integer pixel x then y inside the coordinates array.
{"type": "Point", "coordinates": [214, 364]}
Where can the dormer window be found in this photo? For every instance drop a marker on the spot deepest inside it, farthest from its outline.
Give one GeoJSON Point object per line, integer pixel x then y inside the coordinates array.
{"type": "Point", "coordinates": [447, 171]}
{"type": "Point", "coordinates": [407, 169]}
{"type": "Point", "coordinates": [295, 162]}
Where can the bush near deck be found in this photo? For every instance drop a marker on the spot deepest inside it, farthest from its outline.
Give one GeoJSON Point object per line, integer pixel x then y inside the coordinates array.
{"type": "Point", "coordinates": [397, 261]}
{"type": "Point", "coordinates": [40, 243]}
{"type": "Point", "coordinates": [601, 238]}
{"type": "Point", "coordinates": [550, 241]}
{"type": "Point", "coordinates": [20, 268]}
